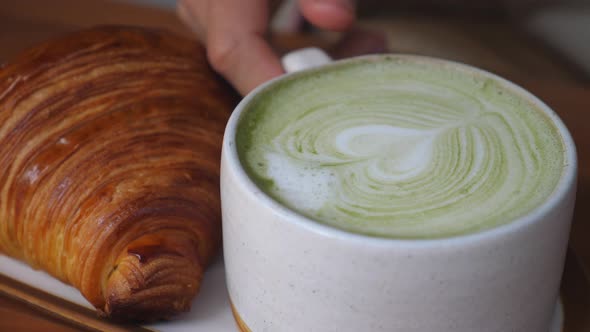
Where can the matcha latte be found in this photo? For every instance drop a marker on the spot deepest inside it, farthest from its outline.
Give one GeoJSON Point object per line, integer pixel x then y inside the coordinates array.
{"type": "Point", "coordinates": [400, 147]}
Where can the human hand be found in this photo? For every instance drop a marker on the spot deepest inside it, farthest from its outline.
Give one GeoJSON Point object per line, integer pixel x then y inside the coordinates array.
{"type": "Point", "coordinates": [233, 32]}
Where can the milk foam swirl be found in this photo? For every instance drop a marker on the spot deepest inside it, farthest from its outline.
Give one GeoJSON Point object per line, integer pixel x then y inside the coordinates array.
{"type": "Point", "coordinates": [401, 149]}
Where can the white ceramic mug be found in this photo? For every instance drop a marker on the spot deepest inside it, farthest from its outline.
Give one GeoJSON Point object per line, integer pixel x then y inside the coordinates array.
{"type": "Point", "coordinates": [288, 273]}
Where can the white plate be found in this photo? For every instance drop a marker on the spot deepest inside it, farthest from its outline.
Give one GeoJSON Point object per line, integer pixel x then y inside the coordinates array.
{"type": "Point", "coordinates": [210, 312]}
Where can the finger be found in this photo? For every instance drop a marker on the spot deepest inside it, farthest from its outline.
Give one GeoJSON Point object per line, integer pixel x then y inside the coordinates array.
{"type": "Point", "coordinates": [236, 46]}
{"type": "Point", "coordinates": [334, 15]}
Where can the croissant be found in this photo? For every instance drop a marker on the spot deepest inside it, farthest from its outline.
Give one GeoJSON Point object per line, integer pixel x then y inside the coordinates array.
{"type": "Point", "coordinates": [110, 140]}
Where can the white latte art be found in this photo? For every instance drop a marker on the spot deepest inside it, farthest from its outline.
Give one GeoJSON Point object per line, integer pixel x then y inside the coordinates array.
{"type": "Point", "coordinates": [400, 148]}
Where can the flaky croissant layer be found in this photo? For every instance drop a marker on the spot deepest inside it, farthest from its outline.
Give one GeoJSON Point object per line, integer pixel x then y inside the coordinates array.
{"type": "Point", "coordinates": [109, 148]}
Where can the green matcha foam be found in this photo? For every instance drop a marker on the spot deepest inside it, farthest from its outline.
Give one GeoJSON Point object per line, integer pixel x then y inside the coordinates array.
{"type": "Point", "coordinates": [400, 148]}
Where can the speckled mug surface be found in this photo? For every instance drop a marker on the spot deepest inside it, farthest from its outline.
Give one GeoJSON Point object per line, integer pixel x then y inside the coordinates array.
{"type": "Point", "coordinates": [288, 272]}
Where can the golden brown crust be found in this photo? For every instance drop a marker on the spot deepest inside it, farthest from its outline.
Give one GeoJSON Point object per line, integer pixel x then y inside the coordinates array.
{"type": "Point", "coordinates": [110, 141]}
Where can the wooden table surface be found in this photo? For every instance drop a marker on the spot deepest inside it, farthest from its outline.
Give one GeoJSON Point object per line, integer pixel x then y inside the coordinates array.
{"type": "Point", "coordinates": [489, 43]}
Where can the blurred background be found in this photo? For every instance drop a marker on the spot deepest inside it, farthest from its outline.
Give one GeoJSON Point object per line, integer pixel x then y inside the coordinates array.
{"type": "Point", "coordinates": [562, 25]}
{"type": "Point", "coordinates": [520, 39]}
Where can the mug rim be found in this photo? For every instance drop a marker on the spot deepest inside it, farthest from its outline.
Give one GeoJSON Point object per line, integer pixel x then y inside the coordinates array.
{"type": "Point", "coordinates": [565, 184]}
